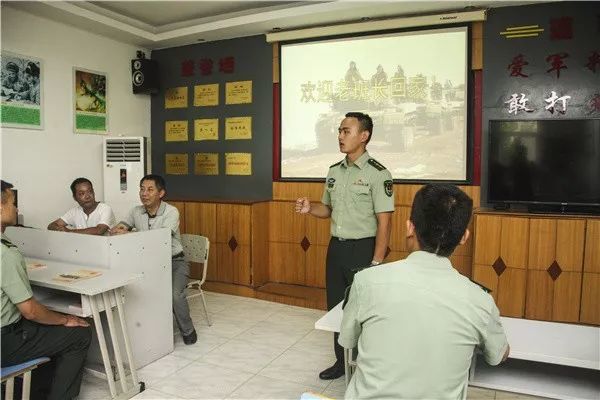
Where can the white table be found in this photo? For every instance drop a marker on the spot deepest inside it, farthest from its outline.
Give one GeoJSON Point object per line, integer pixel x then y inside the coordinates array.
{"type": "Point", "coordinates": [331, 322]}
{"type": "Point", "coordinates": [557, 345]}
{"type": "Point", "coordinates": [86, 298]}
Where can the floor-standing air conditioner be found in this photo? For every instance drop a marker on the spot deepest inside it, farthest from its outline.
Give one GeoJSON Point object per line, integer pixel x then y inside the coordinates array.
{"type": "Point", "coordinates": [124, 165]}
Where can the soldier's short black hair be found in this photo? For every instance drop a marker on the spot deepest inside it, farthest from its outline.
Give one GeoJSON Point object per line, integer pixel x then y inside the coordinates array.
{"type": "Point", "coordinates": [440, 213]}
{"type": "Point", "coordinates": [5, 186]}
{"type": "Point", "coordinates": [158, 180]}
{"type": "Point", "coordinates": [79, 181]}
{"type": "Point", "coordinates": [365, 121]}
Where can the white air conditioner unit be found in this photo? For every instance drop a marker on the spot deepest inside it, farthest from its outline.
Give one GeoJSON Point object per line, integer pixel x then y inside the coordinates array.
{"type": "Point", "coordinates": [124, 166]}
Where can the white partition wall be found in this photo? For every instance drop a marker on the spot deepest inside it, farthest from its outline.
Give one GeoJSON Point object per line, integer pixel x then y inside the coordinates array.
{"type": "Point", "coordinates": [148, 302]}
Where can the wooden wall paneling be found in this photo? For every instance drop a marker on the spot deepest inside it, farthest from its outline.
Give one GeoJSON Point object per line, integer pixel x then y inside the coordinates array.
{"type": "Point", "coordinates": [318, 230]}
{"type": "Point", "coordinates": [240, 261]}
{"type": "Point", "coordinates": [592, 247]}
{"type": "Point", "coordinates": [540, 295]}
{"type": "Point", "coordinates": [476, 45]}
{"type": "Point", "coordinates": [233, 220]}
{"type": "Point", "coordinates": [315, 266]}
{"type": "Point", "coordinates": [570, 242]}
{"type": "Point", "coordinates": [462, 264]}
{"type": "Point", "coordinates": [590, 293]}
{"type": "Point", "coordinates": [511, 292]}
{"type": "Point", "coordinates": [224, 271]}
{"type": "Point", "coordinates": [513, 242]}
{"type": "Point", "coordinates": [291, 191]}
{"type": "Point", "coordinates": [260, 246]}
{"type": "Point", "coordinates": [201, 219]}
{"type": "Point", "coordinates": [285, 225]}
{"type": "Point", "coordinates": [487, 239]}
{"type": "Point", "coordinates": [486, 276]}
{"type": "Point", "coordinates": [287, 263]}
{"type": "Point", "coordinates": [213, 263]}
{"type": "Point", "coordinates": [276, 62]}
{"type": "Point", "coordinates": [567, 297]}
{"type": "Point", "coordinates": [542, 243]}
{"type": "Point", "coordinates": [405, 193]}
{"type": "Point", "coordinates": [395, 256]}
{"type": "Point", "coordinates": [398, 236]}
{"type": "Point", "coordinates": [180, 206]}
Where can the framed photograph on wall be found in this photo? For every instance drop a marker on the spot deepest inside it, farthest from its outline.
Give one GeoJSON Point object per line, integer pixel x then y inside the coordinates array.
{"type": "Point", "coordinates": [21, 105]}
{"type": "Point", "coordinates": [90, 111]}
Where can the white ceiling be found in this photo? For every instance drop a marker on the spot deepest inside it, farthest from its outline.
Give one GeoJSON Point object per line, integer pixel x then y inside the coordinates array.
{"type": "Point", "coordinates": [160, 24]}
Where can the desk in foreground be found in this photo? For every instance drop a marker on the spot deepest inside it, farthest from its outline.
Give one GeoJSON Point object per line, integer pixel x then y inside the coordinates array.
{"type": "Point", "coordinates": [87, 297]}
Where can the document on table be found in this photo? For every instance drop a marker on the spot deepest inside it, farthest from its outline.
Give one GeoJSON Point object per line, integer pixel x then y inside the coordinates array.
{"type": "Point", "coordinates": [32, 266]}
{"type": "Point", "coordinates": [78, 275]}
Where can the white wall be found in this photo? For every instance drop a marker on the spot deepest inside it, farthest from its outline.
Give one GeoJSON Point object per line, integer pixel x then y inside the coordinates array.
{"type": "Point", "coordinates": [42, 164]}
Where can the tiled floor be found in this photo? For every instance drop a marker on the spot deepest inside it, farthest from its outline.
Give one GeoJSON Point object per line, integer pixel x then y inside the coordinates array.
{"type": "Point", "coordinates": [254, 350]}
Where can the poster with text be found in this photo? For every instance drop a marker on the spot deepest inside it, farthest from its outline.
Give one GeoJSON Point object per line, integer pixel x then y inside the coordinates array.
{"type": "Point", "coordinates": [21, 105]}
{"type": "Point", "coordinates": [90, 102]}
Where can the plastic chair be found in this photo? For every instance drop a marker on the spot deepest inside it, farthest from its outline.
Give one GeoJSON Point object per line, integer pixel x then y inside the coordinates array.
{"type": "Point", "coordinates": [11, 372]}
{"type": "Point", "coordinates": [196, 249]}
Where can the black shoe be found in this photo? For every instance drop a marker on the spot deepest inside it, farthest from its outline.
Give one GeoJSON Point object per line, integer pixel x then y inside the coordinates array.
{"type": "Point", "coordinates": [191, 338]}
{"type": "Point", "coordinates": [333, 372]}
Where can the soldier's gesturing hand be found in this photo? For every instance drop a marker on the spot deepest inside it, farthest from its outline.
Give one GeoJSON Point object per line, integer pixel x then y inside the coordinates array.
{"type": "Point", "coordinates": [303, 205]}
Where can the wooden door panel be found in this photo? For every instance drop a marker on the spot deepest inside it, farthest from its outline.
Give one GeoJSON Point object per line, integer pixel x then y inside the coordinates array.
{"type": "Point", "coordinates": [570, 238]}
{"type": "Point", "coordinates": [487, 239]}
{"type": "Point", "coordinates": [513, 242]}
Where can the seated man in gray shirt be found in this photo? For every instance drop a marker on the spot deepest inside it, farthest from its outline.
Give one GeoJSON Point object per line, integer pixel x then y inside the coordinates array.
{"type": "Point", "coordinates": [155, 214]}
{"type": "Point", "coordinates": [417, 321]}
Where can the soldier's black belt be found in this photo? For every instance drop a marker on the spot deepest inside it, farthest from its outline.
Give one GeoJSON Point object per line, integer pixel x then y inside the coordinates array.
{"type": "Point", "coordinates": [351, 240]}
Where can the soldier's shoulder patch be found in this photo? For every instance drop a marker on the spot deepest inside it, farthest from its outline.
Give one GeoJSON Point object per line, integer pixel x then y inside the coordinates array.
{"type": "Point", "coordinates": [336, 164]}
{"type": "Point", "coordinates": [378, 166]}
{"type": "Point", "coordinates": [389, 188]}
{"type": "Point", "coordinates": [485, 289]}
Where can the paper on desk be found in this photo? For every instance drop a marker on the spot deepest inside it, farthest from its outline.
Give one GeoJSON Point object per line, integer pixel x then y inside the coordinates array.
{"type": "Point", "coordinates": [77, 275]}
{"type": "Point", "coordinates": [32, 266]}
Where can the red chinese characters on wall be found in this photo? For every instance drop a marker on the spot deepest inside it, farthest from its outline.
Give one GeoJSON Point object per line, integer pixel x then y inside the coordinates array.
{"type": "Point", "coordinates": [516, 66]}
{"type": "Point", "coordinates": [187, 68]}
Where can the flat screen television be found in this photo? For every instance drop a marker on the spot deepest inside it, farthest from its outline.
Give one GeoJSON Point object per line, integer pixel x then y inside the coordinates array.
{"type": "Point", "coordinates": [551, 165]}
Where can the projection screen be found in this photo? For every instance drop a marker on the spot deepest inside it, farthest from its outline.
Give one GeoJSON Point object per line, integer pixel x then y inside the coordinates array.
{"type": "Point", "coordinates": [413, 85]}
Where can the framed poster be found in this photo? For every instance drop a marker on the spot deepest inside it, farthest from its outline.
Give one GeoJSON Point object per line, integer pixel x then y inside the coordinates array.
{"type": "Point", "coordinates": [21, 105]}
{"type": "Point", "coordinates": [90, 111]}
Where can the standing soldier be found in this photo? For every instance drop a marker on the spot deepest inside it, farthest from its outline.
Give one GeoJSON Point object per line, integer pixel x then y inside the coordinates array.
{"type": "Point", "coordinates": [359, 198]}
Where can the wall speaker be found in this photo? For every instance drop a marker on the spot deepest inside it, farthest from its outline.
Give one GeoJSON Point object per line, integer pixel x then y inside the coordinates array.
{"type": "Point", "coordinates": [144, 76]}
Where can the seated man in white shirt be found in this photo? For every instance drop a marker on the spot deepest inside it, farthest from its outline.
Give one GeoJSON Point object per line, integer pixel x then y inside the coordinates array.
{"type": "Point", "coordinates": [88, 216]}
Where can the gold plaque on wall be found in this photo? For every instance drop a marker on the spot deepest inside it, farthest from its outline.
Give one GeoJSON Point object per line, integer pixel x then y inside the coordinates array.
{"type": "Point", "coordinates": [176, 97]}
{"type": "Point", "coordinates": [206, 129]}
{"type": "Point", "coordinates": [206, 164]}
{"type": "Point", "coordinates": [176, 131]}
{"type": "Point", "coordinates": [238, 164]}
{"type": "Point", "coordinates": [176, 164]}
{"type": "Point", "coordinates": [206, 95]}
{"type": "Point", "coordinates": [239, 92]}
{"type": "Point", "coordinates": [238, 128]}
